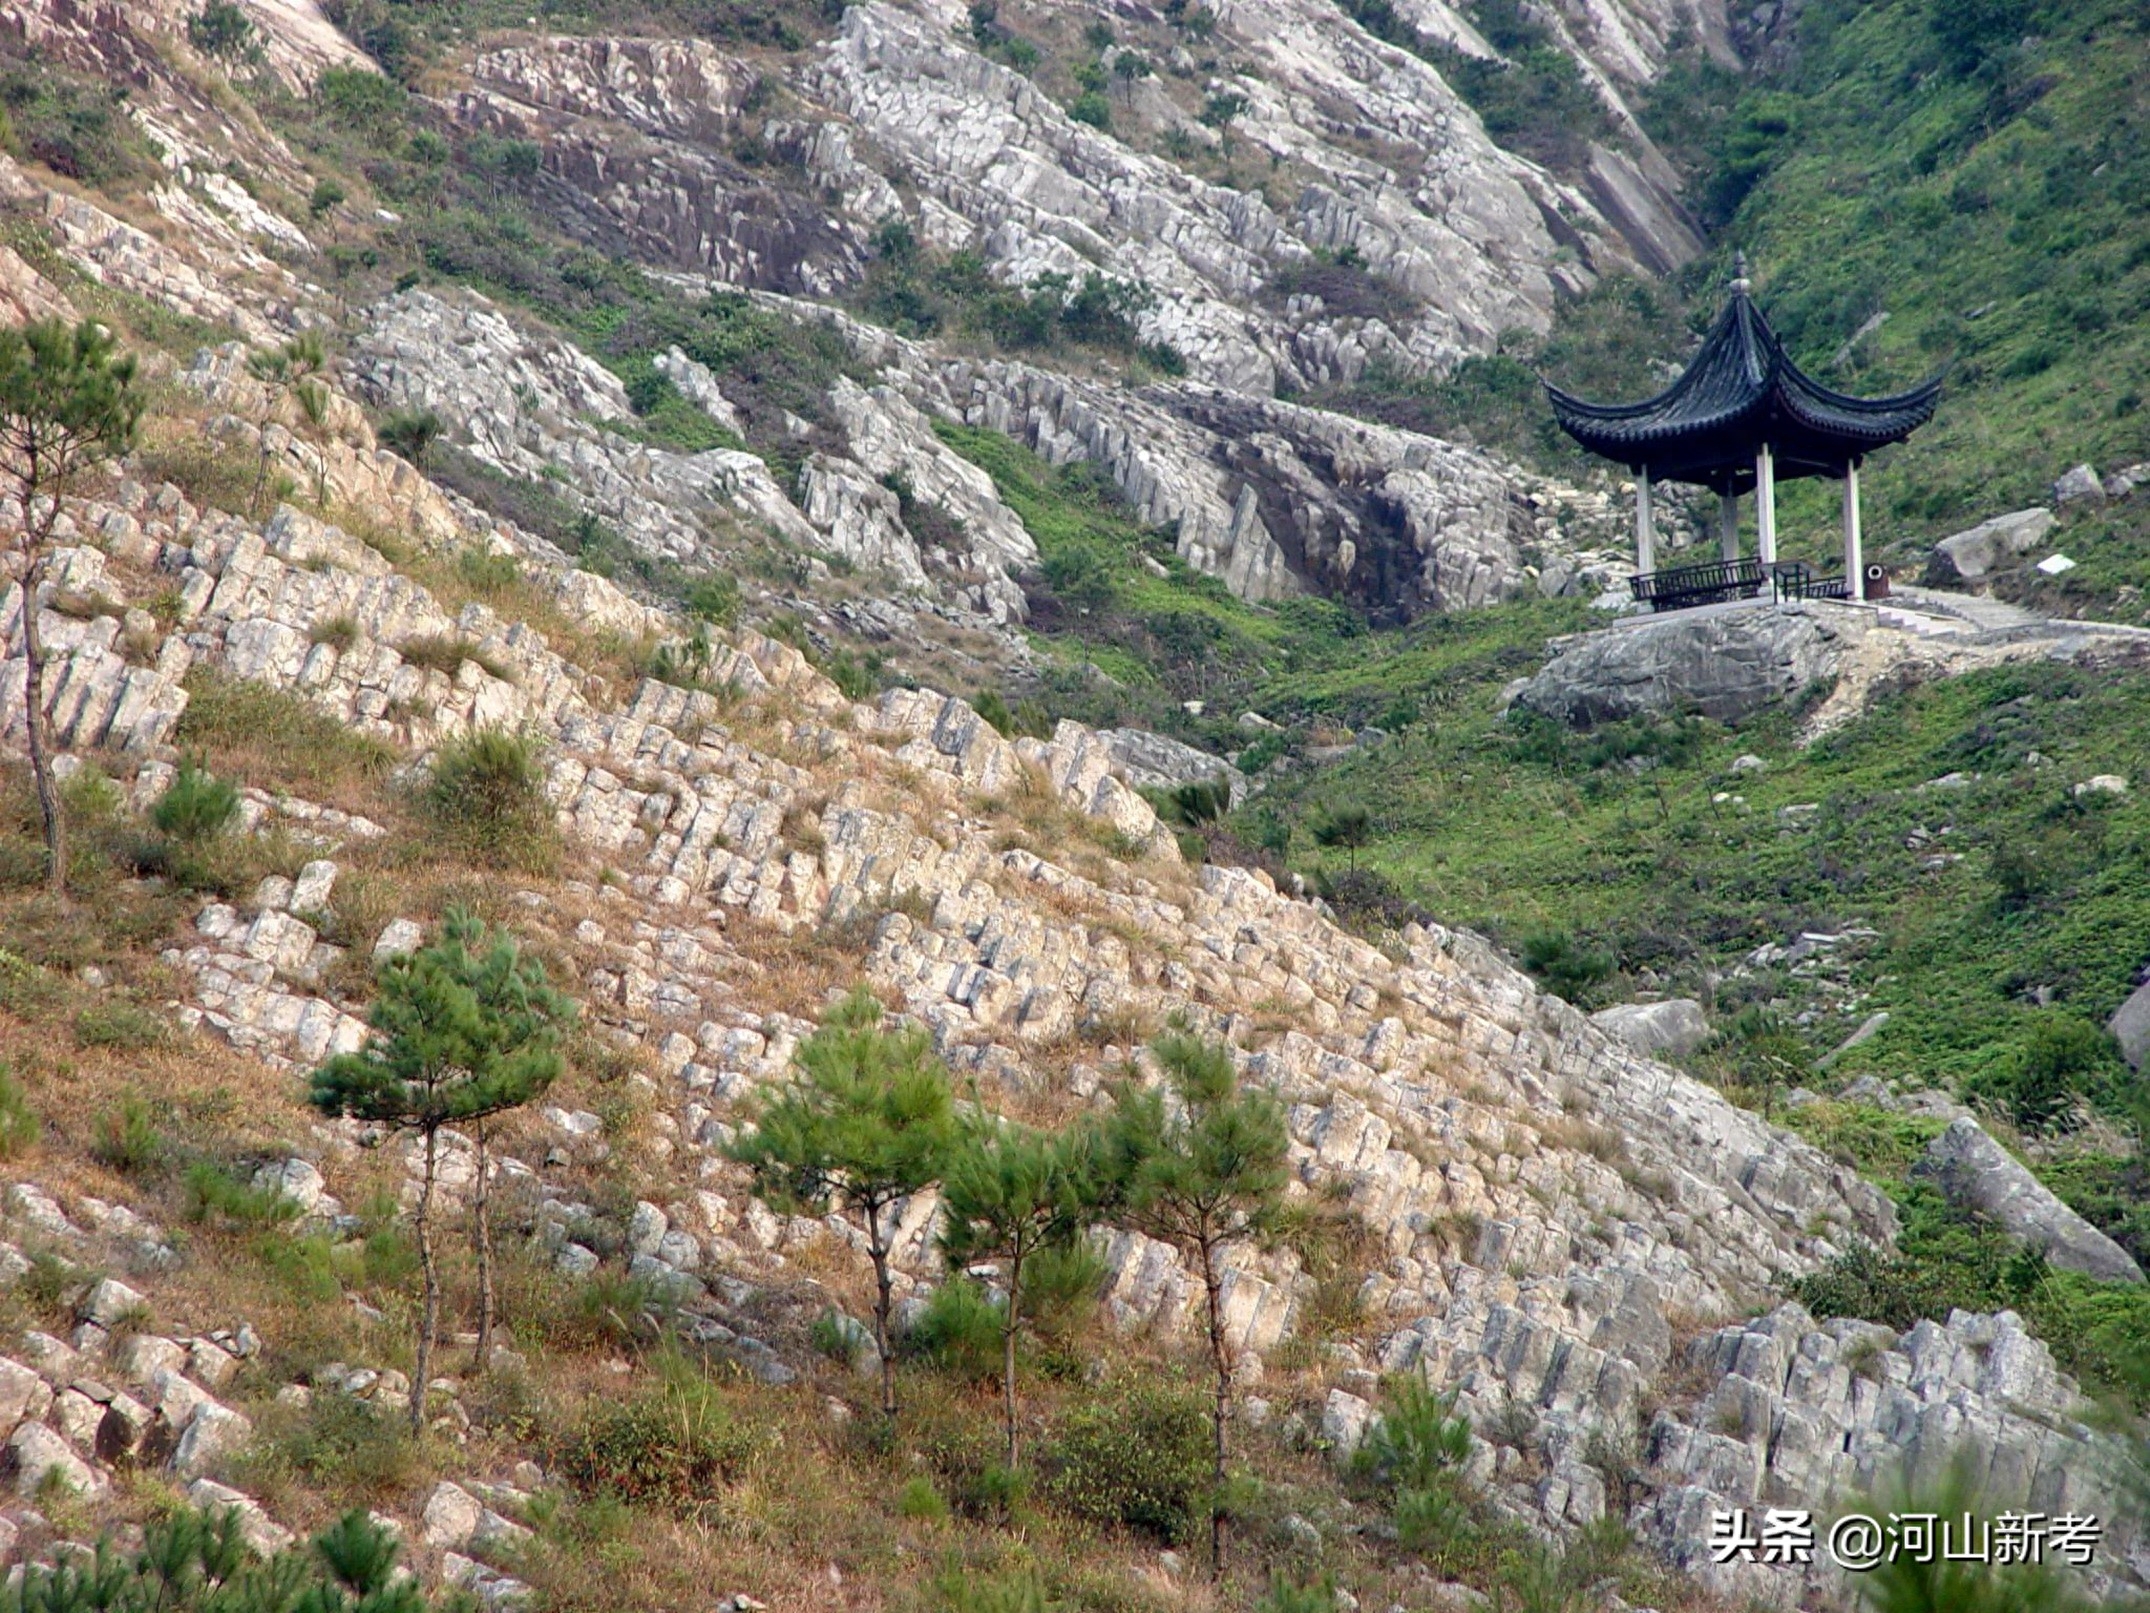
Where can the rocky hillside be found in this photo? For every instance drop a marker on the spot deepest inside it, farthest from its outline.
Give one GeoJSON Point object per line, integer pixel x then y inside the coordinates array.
{"type": "Point", "coordinates": [675, 405]}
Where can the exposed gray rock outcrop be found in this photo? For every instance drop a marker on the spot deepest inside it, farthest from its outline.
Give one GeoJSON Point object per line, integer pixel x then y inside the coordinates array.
{"type": "Point", "coordinates": [1970, 556]}
{"type": "Point", "coordinates": [1153, 761]}
{"type": "Point", "coordinates": [1725, 662]}
{"type": "Point", "coordinates": [1675, 1027]}
{"type": "Point", "coordinates": [535, 408]}
{"type": "Point", "coordinates": [2079, 484]}
{"type": "Point", "coordinates": [2130, 1027]}
{"type": "Point", "coordinates": [1975, 1171]}
{"type": "Point", "coordinates": [1844, 1409]}
{"type": "Point", "coordinates": [637, 135]}
{"type": "Point", "coordinates": [1045, 194]}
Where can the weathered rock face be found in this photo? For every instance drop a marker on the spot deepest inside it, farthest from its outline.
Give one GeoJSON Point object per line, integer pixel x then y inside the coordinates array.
{"type": "Point", "coordinates": [535, 408]}
{"type": "Point", "coordinates": [1726, 662]}
{"type": "Point", "coordinates": [2130, 1027]}
{"type": "Point", "coordinates": [1153, 761]}
{"type": "Point", "coordinates": [1274, 498]}
{"type": "Point", "coordinates": [1673, 1028]}
{"type": "Point", "coordinates": [1975, 1171]}
{"type": "Point", "coordinates": [1041, 193]}
{"type": "Point", "coordinates": [636, 137]}
{"type": "Point", "coordinates": [1850, 1410]}
{"type": "Point", "coordinates": [668, 149]}
{"type": "Point", "coordinates": [640, 139]}
{"type": "Point", "coordinates": [1969, 556]}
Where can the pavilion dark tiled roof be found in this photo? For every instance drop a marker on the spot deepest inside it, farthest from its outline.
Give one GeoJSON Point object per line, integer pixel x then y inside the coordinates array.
{"type": "Point", "coordinates": [1742, 390]}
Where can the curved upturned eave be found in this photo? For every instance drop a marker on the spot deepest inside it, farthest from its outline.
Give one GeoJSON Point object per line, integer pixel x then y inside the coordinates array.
{"type": "Point", "coordinates": [1741, 378]}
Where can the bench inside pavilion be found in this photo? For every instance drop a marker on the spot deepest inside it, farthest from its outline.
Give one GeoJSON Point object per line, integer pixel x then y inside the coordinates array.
{"type": "Point", "coordinates": [1740, 419]}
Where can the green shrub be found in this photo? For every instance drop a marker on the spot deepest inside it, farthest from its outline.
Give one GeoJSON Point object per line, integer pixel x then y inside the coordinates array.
{"type": "Point", "coordinates": [220, 28]}
{"type": "Point", "coordinates": [1061, 1284]}
{"type": "Point", "coordinates": [686, 662]}
{"type": "Point", "coordinates": [121, 1023]}
{"type": "Point", "coordinates": [840, 1337]}
{"type": "Point", "coordinates": [859, 677]}
{"type": "Point", "coordinates": [1137, 1457]}
{"type": "Point", "coordinates": [1200, 801]}
{"type": "Point", "coordinates": [918, 1499]}
{"type": "Point", "coordinates": [1093, 108]}
{"type": "Point", "coordinates": [20, 1125]}
{"type": "Point", "coordinates": [91, 800]}
{"type": "Point", "coordinates": [1218, 110]}
{"type": "Point", "coordinates": [77, 127]}
{"type": "Point", "coordinates": [1947, 1260]}
{"type": "Point", "coordinates": [714, 598]}
{"type": "Point", "coordinates": [959, 1590]}
{"type": "Point", "coordinates": [2039, 1087]}
{"type": "Point", "coordinates": [213, 1191]}
{"type": "Point", "coordinates": [128, 1139]}
{"type": "Point", "coordinates": [52, 1285]}
{"type": "Point", "coordinates": [409, 432]}
{"type": "Point", "coordinates": [195, 1562]}
{"type": "Point", "coordinates": [303, 1266]}
{"type": "Point", "coordinates": [196, 806]}
{"type": "Point", "coordinates": [360, 99]}
{"type": "Point", "coordinates": [486, 796]}
{"type": "Point", "coordinates": [27, 991]}
{"type": "Point", "coordinates": [1289, 1596]}
{"type": "Point", "coordinates": [271, 736]}
{"type": "Point", "coordinates": [675, 1446]}
{"type": "Point", "coordinates": [1568, 966]}
{"type": "Point", "coordinates": [959, 1330]}
{"type": "Point", "coordinates": [1348, 827]}
{"type": "Point", "coordinates": [1431, 1520]}
{"type": "Point", "coordinates": [352, 1449]}
{"type": "Point", "coordinates": [1418, 1441]}
{"type": "Point", "coordinates": [485, 573]}
{"type": "Point", "coordinates": [1025, 717]}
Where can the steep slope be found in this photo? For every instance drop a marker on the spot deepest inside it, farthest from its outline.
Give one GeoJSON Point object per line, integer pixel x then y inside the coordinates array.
{"type": "Point", "coordinates": [1491, 1191]}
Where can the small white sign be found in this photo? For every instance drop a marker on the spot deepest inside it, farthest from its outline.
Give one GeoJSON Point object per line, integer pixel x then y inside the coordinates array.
{"type": "Point", "coordinates": [2054, 564]}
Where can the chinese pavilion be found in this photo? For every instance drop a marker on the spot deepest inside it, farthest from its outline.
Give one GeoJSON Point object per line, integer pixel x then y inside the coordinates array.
{"type": "Point", "coordinates": [1740, 418]}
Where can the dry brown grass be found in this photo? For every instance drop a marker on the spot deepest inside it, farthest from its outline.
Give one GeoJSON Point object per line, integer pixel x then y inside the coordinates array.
{"type": "Point", "coordinates": [800, 971]}
{"type": "Point", "coordinates": [275, 740]}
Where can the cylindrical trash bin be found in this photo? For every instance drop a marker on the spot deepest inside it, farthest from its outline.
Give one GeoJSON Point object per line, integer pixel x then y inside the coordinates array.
{"type": "Point", "coordinates": [1876, 583]}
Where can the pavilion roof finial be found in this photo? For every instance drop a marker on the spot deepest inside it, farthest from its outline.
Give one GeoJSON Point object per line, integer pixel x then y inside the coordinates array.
{"type": "Point", "coordinates": [1741, 285]}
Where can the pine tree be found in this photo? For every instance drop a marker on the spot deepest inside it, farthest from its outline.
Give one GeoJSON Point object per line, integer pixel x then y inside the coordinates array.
{"type": "Point", "coordinates": [865, 1119]}
{"type": "Point", "coordinates": [199, 1562]}
{"type": "Point", "coordinates": [464, 1029]}
{"type": "Point", "coordinates": [1348, 827]}
{"type": "Point", "coordinates": [1203, 1173]}
{"type": "Point", "coordinates": [1010, 1194]}
{"type": "Point", "coordinates": [67, 403]}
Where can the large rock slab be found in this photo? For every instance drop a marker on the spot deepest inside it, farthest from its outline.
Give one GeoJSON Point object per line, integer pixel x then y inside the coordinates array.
{"type": "Point", "coordinates": [1725, 662]}
{"type": "Point", "coordinates": [2130, 1027]}
{"type": "Point", "coordinates": [1674, 1028]}
{"type": "Point", "coordinates": [1973, 1170]}
{"type": "Point", "coordinates": [1156, 762]}
{"type": "Point", "coordinates": [1969, 556]}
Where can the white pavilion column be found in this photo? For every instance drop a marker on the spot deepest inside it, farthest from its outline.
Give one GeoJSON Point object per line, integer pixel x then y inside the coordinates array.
{"type": "Point", "coordinates": [1728, 525]}
{"type": "Point", "coordinates": [1645, 526]}
{"type": "Point", "coordinates": [1854, 547]}
{"type": "Point", "coordinates": [1765, 505]}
